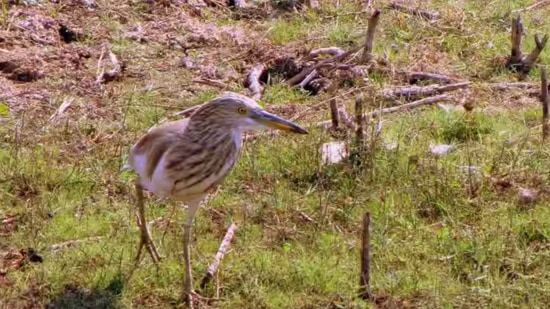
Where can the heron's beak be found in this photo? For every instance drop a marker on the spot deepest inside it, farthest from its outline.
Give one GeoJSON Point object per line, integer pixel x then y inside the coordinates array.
{"type": "Point", "coordinates": [278, 123]}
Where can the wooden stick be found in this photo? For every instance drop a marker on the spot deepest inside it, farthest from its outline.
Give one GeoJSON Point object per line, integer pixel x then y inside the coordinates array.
{"type": "Point", "coordinates": [211, 82]}
{"type": "Point", "coordinates": [544, 100]}
{"type": "Point", "coordinates": [253, 81]}
{"type": "Point", "coordinates": [415, 104]}
{"type": "Point", "coordinates": [334, 113]}
{"type": "Point", "coordinates": [530, 60]}
{"type": "Point", "coordinates": [417, 91]}
{"type": "Point", "coordinates": [306, 71]}
{"type": "Point", "coordinates": [308, 79]}
{"type": "Point", "coordinates": [364, 279]}
{"type": "Point", "coordinates": [70, 243]}
{"type": "Point", "coordinates": [359, 120]}
{"type": "Point", "coordinates": [429, 15]}
{"type": "Point", "coordinates": [369, 43]}
{"type": "Point", "coordinates": [517, 37]}
{"type": "Point", "coordinates": [535, 6]}
{"type": "Point", "coordinates": [333, 51]}
{"type": "Point", "coordinates": [510, 85]}
{"type": "Point", "coordinates": [418, 76]}
{"type": "Point", "coordinates": [224, 246]}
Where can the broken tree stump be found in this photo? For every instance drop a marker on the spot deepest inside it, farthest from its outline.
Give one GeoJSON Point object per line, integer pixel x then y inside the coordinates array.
{"type": "Point", "coordinates": [364, 278]}
{"type": "Point", "coordinates": [369, 43]}
{"type": "Point", "coordinates": [334, 113]}
{"type": "Point", "coordinates": [544, 100]}
{"type": "Point", "coordinates": [517, 62]}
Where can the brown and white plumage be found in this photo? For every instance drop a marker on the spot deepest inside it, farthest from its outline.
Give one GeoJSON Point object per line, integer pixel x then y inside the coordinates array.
{"type": "Point", "coordinates": [184, 159]}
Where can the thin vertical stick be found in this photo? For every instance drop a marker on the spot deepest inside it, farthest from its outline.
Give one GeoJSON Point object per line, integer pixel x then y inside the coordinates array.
{"type": "Point", "coordinates": [517, 35]}
{"type": "Point", "coordinates": [364, 280]}
{"type": "Point", "coordinates": [544, 100]}
{"type": "Point", "coordinates": [334, 113]}
{"type": "Point", "coordinates": [373, 22]}
{"type": "Point", "coordinates": [359, 119]}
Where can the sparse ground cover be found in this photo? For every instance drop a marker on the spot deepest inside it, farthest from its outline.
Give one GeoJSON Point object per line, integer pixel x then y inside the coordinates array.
{"type": "Point", "coordinates": [469, 229]}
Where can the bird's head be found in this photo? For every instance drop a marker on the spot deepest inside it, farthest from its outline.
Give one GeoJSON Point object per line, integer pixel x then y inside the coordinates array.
{"type": "Point", "coordinates": [235, 111]}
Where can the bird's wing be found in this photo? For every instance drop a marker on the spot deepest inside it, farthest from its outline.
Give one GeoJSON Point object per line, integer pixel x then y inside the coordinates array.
{"type": "Point", "coordinates": [147, 152]}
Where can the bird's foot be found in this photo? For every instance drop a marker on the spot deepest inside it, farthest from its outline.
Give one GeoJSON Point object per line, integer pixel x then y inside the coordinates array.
{"type": "Point", "coordinates": [147, 242]}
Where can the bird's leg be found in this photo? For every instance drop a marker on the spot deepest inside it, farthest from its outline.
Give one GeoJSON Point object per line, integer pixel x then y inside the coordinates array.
{"type": "Point", "coordinates": [145, 239]}
{"type": "Point", "coordinates": [187, 229]}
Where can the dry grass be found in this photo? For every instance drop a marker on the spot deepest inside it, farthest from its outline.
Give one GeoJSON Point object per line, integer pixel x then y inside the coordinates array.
{"type": "Point", "coordinates": [441, 236]}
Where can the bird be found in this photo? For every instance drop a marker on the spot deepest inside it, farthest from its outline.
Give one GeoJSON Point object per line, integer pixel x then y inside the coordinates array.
{"type": "Point", "coordinates": [185, 159]}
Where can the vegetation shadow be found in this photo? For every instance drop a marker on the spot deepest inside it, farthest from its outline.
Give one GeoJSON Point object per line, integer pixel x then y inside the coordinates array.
{"type": "Point", "coordinates": [85, 298]}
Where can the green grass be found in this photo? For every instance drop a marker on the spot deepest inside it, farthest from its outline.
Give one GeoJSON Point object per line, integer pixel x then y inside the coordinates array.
{"type": "Point", "coordinates": [441, 237]}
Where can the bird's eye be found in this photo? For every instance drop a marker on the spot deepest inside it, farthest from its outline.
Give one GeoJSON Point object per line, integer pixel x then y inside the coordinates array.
{"type": "Point", "coordinates": [242, 110]}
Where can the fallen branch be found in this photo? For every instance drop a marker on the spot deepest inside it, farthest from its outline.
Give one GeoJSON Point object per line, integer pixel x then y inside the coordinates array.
{"type": "Point", "coordinates": [253, 81]}
{"type": "Point", "coordinates": [224, 246]}
{"type": "Point", "coordinates": [211, 82]}
{"type": "Point", "coordinates": [534, 6]}
{"type": "Point", "coordinates": [429, 15]}
{"type": "Point", "coordinates": [67, 102]}
{"type": "Point", "coordinates": [333, 51]}
{"type": "Point", "coordinates": [408, 106]}
{"type": "Point", "coordinates": [507, 86]}
{"type": "Point", "coordinates": [364, 278]}
{"type": "Point", "coordinates": [70, 243]}
{"type": "Point", "coordinates": [369, 43]}
{"type": "Point", "coordinates": [414, 77]}
{"type": "Point", "coordinates": [529, 61]}
{"type": "Point", "coordinates": [306, 71]}
{"type": "Point", "coordinates": [415, 92]}
{"type": "Point", "coordinates": [308, 79]}
{"type": "Point", "coordinates": [544, 100]}
{"type": "Point", "coordinates": [305, 216]}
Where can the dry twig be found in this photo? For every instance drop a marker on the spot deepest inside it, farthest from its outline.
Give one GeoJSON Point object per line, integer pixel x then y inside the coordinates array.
{"type": "Point", "coordinates": [530, 60]}
{"type": "Point", "coordinates": [308, 79]}
{"type": "Point", "coordinates": [544, 100]}
{"type": "Point", "coordinates": [415, 92]}
{"type": "Point", "coordinates": [224, 246]}
{"type": "Point", "coordinates": [333, 51]}
{"type": "Point", "coordinates": [67, 102]}
{"type": "Point", "coordinates": [306, 71]}
{"type": "Point", "coordinates": [70, 243]}
{"type": "Point", "coordinates": [429, 15]}
{"type": "Point", "coordinates": [253, 81]}
{"type": "Point", "coordinates": [536, 5]}
{"type": "Point", "coordinates": [211, 82]}
{"type": "Point", "coordinates": [415, 104]}
{"type": "Point", "coordinates": [359, 120]}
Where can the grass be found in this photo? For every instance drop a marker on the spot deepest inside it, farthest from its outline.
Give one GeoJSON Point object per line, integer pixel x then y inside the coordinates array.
{"type": "Point", "coordinates": [442, 237]}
